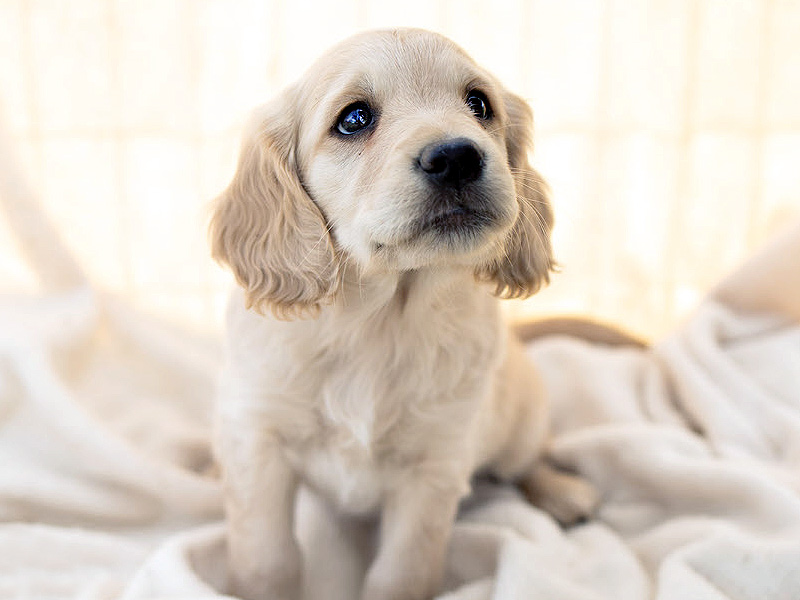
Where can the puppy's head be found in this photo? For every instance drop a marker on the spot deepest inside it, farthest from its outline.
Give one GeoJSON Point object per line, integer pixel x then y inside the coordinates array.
{"type": "Point", "coordinates": [394, 152]}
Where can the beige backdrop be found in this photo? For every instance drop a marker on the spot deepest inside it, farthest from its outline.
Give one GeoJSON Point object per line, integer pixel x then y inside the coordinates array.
{"type": "Point", "coordinates": [668, 129]}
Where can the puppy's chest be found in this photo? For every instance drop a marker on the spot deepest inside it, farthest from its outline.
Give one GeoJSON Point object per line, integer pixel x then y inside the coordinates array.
{"type": "Point", "coordinates": [382, 406]}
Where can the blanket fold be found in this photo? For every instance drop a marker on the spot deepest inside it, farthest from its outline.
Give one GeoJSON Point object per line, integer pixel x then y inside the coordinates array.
{"type": "Point", "coordinates": [694, 443]}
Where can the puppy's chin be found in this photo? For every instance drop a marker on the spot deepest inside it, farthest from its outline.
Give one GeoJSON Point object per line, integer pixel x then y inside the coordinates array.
{"type": "Point", "coordinates": [449, 236]}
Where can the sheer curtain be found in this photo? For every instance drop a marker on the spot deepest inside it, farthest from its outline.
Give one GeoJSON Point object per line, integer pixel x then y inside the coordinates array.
{"type": "Point", "coordinates": [669, 131]}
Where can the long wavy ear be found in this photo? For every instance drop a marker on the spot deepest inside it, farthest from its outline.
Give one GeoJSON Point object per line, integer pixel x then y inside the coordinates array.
{"type": "Point", "coordinates": [267, 229]}
{"type": "Point", "coordinates": [526, 260]}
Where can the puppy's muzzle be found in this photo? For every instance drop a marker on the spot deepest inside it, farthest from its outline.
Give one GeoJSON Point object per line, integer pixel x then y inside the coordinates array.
{"type": "Point", "coordinates": [453, 163]}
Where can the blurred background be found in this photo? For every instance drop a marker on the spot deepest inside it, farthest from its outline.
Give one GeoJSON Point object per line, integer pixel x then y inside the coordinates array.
{"type": "Point", "coordinates": [669, 131]}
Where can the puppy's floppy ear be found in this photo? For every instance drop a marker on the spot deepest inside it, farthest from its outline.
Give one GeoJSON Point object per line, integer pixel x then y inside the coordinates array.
{"type": "Point", "coordinates": [526, 259]}
{"type": "Point", "coordinates": [267, 229]}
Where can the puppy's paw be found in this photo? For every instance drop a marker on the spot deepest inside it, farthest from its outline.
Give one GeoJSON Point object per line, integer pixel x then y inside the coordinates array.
{"type": "Point", "coordinates": [400, 584]}
{"type": "Point", "coordinates": [280, 583]}
{"type": "Point", "coordinates": [265, 588]}
{"type": "Point", "coordinates": [376, 591]}
{"type": "Point", "coordinates": [569, 498]}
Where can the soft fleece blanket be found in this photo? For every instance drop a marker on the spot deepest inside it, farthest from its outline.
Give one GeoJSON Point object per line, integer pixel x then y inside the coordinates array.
{"type": "Point", "coordinates": [107, 490]}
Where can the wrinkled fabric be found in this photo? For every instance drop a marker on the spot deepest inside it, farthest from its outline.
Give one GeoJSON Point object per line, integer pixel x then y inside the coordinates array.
{"type": "Point", "coordinates": [107, 485]}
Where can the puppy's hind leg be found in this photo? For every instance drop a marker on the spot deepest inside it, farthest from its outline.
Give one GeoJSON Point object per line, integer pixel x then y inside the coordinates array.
{"type": "Point", "coordinates": [568, 497]}
{"type": "Point", "coordinates": [518, 439]}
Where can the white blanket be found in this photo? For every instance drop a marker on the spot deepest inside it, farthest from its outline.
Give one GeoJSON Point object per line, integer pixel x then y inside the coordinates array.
{"type": "Point", "coordinates": [106, 491]}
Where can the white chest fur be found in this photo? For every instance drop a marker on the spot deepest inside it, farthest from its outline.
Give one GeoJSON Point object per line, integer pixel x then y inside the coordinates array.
{"type": "Point", "coordinates": [362, 394]}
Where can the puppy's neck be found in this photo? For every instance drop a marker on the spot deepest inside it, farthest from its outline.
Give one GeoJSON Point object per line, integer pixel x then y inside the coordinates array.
{"type": "Point", "coordinates": [405, 291]}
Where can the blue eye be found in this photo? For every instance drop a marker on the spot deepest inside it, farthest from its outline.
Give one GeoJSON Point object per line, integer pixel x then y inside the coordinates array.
{"type": "Point", "coordinates": [479, 105]}
{"type": "Point", "coordinates": [354, 118]}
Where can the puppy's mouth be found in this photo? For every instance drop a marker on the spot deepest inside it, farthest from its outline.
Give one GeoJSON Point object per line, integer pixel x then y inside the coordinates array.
{"type": "Point", "coordinates": [455, 220]}
{"type": "Point", "coordinates": [449, 225]}
{"type": "Point", "coordinates": [455, 227]}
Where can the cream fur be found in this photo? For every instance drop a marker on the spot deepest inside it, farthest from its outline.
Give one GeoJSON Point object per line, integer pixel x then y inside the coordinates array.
{"type": "Point", "coordinates": [404, 381]}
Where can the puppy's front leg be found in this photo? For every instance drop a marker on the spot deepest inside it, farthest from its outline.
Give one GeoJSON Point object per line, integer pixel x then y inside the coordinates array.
{"type": "Point", "coordinates": [260, 489]}
{"type": "Point", "coordinates": [416, 523]}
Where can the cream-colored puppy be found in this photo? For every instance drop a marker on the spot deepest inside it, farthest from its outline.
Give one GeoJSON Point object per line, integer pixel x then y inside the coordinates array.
{"type": "Point", "coordinates": [379, 207]}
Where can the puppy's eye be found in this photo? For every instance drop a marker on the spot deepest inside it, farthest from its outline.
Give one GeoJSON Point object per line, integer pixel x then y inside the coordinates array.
{"type": "Point", "coordinates": [354, 118]}
{"type": "Point", "coordinates": [479, 105]}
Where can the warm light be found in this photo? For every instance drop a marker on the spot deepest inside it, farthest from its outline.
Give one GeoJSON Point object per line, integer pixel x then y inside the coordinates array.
{"type": "Point", "coordinates": [668, 131]}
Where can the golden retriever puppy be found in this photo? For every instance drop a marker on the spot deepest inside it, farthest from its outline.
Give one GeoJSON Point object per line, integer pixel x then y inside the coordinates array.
{"type": "Point", "coordinates": [380, 206]}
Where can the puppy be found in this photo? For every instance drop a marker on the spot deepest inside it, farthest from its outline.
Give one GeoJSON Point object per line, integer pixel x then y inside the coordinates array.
{"type": "Point", "coordinates": [380, 206]}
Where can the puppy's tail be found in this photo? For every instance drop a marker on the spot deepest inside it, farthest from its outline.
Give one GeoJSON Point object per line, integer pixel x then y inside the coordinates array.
{"type": "Point", "coordinates": [579, 327]}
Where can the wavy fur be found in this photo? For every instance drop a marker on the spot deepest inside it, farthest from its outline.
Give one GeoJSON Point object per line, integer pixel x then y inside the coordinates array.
{"type": "Point", "coordinates": [526, 259]}
{"type": "Point", "coordinates": [405, 382]}
{"type": "Point", "coordinates": [268, 231]}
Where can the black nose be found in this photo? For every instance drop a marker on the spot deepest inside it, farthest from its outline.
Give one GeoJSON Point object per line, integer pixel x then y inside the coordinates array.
{"type": "Point", "coordinates": [453, 163]}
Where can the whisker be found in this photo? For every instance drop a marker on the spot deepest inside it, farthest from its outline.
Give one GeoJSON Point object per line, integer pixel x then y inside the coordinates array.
{"type": "Point", "coordinates": [325, 234]}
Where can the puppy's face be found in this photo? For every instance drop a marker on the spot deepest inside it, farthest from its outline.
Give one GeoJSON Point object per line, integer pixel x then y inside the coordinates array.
{"type": "Point", "coordinates": [403, 148]}
{"type": "Point", "coordinates": [394, 152]}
